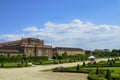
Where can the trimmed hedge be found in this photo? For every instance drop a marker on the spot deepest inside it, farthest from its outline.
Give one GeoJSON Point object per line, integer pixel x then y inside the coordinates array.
{"type": "Point", "coordinates": [104, 65]}
{"type": "Point", "coordinates": [92, 76]}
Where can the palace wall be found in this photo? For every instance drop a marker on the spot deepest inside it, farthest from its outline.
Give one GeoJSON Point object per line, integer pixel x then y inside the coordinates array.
{"type": "Point", "coordinates": [35, 47]}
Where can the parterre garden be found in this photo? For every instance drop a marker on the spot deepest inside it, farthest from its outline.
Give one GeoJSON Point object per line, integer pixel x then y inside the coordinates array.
{"type": "Point", "coordinates": [104, 70]}
{"type": "Point", "coordinates": [23, 61]}
{"type": "Point", "coordinates": [20, 61]}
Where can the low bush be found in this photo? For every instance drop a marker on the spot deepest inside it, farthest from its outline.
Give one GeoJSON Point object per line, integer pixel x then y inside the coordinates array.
{"type": "Point", "coordinates": [92, 76]}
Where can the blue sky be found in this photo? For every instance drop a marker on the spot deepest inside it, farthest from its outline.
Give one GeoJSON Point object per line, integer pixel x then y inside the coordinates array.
{"type": "Point", "coordinates": [52, 20]}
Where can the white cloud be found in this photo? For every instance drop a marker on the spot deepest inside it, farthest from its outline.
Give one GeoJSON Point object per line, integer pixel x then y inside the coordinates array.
{"type": "Point", "coordinates": [86, 35]}
{"type": "Point", "coordinates": [11, 37]}
{"type": "Point", "coordinates": [31, 29]}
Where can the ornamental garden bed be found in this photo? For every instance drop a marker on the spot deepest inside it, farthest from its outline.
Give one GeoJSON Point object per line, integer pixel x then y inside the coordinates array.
{"type": "Point", "coordinates": [106, 70]}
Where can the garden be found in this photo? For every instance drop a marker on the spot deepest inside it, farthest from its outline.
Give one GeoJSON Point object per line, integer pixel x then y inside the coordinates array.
{"type": "Point", "coordinates": [20, 61]}
{"type": "Point", "coordinates": [23, 60]}
{"type": "Point", "coordinates": [103, 70]}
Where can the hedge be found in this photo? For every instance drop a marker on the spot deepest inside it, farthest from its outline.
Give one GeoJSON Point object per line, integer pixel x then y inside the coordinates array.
{"type": "Point", "coordinates": [92, 76]}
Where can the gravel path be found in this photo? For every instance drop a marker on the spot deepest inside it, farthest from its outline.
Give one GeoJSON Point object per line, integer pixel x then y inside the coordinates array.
{"type": "Point", "coordinates": [35, 73]}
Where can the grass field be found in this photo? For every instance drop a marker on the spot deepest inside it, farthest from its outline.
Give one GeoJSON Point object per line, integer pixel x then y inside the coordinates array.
{"type": "Point", "coordinates": [13, 64]}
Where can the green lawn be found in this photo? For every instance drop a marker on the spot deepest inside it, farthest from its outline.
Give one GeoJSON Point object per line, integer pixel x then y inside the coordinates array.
{"type": "Point", "coordinates": [13, 64]}
{"type": "Point", "coordinates": [114, 68]}
{"type": "Point", "coordinates": [116, 71]}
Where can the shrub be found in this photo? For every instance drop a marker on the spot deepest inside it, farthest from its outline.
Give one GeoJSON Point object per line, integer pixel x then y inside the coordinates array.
{"type": "Point", "coordinates": [91, 76]}
{"type": "Point", "coordinates": [97, 71]}
{"type": "Point", "coordinates": [74, 60]}
{"type": "Point", "coordinates": [78, 67]}
{"type": "Point", "coordinates": [94, 62]}
{"type": "Point", "coordinates": [2, 64]}
{"type": "Point", "coordinates": [70, 61]}
{"type": "Point", "coordinates": [110, 63]}
{"type": "Point", "coordinates": [108, 60]}
{"type": "Point", "coordinates": [113, 61]}
{"type": "Point", "coordinates": [83, 63]}
{"type": "Point", "coordinates": [101, 73]}
{"type": "Point", "coordinates": [108, 75]}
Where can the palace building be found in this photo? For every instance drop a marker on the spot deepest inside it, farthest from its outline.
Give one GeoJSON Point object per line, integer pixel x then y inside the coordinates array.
{"type": "Point", "coordinates": [35, 47]}
{"type": "Point", "coordinates": [28, 46]}
{"type": "Point", "coordinates": [69, 51]}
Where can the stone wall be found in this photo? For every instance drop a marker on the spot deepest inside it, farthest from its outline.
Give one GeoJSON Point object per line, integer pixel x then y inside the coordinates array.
{"type": "Point", "coordinates": [70, 51]}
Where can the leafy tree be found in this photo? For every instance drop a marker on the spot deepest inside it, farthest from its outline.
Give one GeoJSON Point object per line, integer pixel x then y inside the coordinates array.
{"type": "Point", "coordinates": [64, 55]}
{"type": "Point", "coordinates": [74, 60]}
{"type": "Point", "coordinates": [60, 57]}
{"type": "Point", "coordinates": [54, 57]}
{"type": "Point", "coordinates": [24, 59]}
{"type": "Point", "coordinates": [70, 60]}
{"type": "Point", "coordinates": [54, 62]}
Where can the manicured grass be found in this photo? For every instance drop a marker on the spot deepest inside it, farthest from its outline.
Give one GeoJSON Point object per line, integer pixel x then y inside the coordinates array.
{"type": "Point", "coordinates": [47, 62]}
{"type": "Point", "coordinates": [102, 66]}
{"type": "Point", "coordinates": [115, 71]}
{"type": "Point", "coordinates": [13, 65]}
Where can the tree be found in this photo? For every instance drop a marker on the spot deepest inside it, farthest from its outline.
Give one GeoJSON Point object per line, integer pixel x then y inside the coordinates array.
{"type": "Point", "coordinates": [108, 60]}
{"type": "Point", "coordinates": [54, 57]}
{"type": "Point", "coordinates": [83, 63]}
{"type": "Point", "coordinates": [97, 71]}
{"type": "Point", "coordinates": [108, 75]}
{"type": "Point", "coordinates": [2, 58]}
{"type": "Point", "coordinates": [24, 59]}
{"type": "Point", "coordinates": [64, 55]}
{"type": "Point", "coordinates": [94, 62]}
{"type": "Point", "coordinates": [78, 67]}
{"type": "Point", "coordinates": [110, 63]}
{"type": "Point", "coordinates": [113, 61]}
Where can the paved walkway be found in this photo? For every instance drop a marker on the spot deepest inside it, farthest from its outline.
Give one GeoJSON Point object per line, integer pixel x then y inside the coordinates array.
{"type": "Point", "coordinates": [35, 73]}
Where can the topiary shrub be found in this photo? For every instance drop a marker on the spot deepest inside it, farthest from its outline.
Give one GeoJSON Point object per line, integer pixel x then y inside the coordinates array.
{"type": "Point", "coordinates": [108, 75]}
{"type": "Point", "coordinates": [113, 61]}
{"type": "Point", "coordinates": [97, 71]}
{"type": "Point", "coordinates": [78, 67]}
{"type": "Point", "coordinates": [108, 60]}
{"type": "Point", "coordinates": [92, 76]}
{"type": "Point", "coordinates": [83, 63]}
{"type": "Point", "coordinates": [94, 62]}
{"type": "Point", "coordinates": [110, 63]}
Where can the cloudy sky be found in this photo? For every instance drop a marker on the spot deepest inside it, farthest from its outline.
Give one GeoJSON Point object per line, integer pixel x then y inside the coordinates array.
{"type": "Point", "coordinates": [87, 24]}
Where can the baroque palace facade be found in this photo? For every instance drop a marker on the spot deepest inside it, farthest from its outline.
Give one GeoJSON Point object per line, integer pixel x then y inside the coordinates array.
{"type": "Point", "coordinates": [34, 47]}
{"type": "Point", "coordinates": [28, 46]}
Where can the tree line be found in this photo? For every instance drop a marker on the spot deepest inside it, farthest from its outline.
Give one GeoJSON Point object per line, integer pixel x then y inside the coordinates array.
{"type": "Point", "coordinates": [107, 53]}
